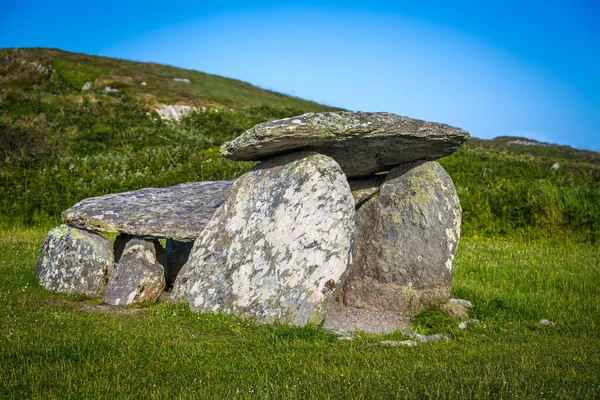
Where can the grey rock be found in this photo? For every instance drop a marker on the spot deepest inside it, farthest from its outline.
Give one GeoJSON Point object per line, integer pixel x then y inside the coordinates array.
{"type": "Point", "coordinates": [457, 308]}
{"type": "Point", "coordinates": [73, 261]}
{"type": "Point", "coordinates": [279, 247]}
{"type": "Point", "coordinates": [405, 242]}
{"type": "Point", "coordinates": [426, 338]}
{"type": "Point", "coordinates": [398, 343]}
{"type": "Point", "coordinates": [183, 80]}
{"type": "Point", "coordinates": [461, 302]}
{"type": "Point", "coordinates": [362, 143]}
{"type": "Point", "coordinates": [138, 277]}
{"type": "Point", "coordinates": [178, 212]}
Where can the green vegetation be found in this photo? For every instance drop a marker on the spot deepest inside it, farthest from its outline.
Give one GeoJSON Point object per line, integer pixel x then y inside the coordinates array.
{"type": "Point", "coordinates": [529, 250]}
{"type": "Point", "coordinates": [54, 346]}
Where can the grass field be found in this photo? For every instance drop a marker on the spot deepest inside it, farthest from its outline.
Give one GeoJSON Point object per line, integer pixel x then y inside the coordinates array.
{"type": "Point", "coordinates": [53, 346]}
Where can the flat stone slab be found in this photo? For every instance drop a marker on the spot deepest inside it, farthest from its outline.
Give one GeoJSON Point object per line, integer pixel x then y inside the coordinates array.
{"type": "Point", "coordinates": [362, 143]}
{"type": "Point", "coordinates": [178, 212]}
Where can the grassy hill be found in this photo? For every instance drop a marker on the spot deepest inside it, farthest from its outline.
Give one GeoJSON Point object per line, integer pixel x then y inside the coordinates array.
{"type": "Point", "coordinates": [60, 144]}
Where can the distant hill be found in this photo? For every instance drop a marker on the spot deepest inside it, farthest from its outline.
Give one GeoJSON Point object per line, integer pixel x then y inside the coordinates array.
{"type": "Point", "coordinates": [65, 74]}
{"type": "Point", "coordinates": [74, 126]}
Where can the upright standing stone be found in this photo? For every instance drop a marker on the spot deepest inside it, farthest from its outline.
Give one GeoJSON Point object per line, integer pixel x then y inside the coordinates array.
{"type": "Point", "coordinates": [74, 261]}
{"type": "Point", "coordinates": [138, 276]}
{"type": "Point", "coordinates": [280, 245]}
{"type": "Point", "coordinates": [405, 243]}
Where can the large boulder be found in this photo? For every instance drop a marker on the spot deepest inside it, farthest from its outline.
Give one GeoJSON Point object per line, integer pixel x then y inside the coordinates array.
{"type": "Point", "coordinates": [406, 238]}
{"type": "Point", "coordinates": [178, 212]}
{"type": "Point", "coordinates": [74, 261]}
{"type": "Point", "coordinates": [362, 143]}
{"type": "Point", "coordinates": [138, 276]}
{"type": "Point", "coordinates": [278, 248]}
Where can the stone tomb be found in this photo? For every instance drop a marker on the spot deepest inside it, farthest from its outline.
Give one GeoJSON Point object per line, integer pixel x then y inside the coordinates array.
{"type": "Point", "coordinates": [347, 221]}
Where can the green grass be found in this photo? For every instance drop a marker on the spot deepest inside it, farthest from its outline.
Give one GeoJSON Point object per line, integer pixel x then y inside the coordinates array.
{"type": "Point", "coordinates": [51, 348]}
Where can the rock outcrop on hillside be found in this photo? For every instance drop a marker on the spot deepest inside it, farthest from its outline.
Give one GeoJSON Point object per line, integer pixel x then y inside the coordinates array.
{"type": "Point", "coordinates": [316, 231]}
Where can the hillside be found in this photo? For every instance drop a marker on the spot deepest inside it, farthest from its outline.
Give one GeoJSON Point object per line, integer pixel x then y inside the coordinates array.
{"type": "Point", "coordinates": [60, 144]}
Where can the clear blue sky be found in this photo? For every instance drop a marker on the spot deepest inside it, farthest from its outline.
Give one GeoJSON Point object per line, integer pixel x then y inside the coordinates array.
{"type": "Point", "coordinates": [526, 68]}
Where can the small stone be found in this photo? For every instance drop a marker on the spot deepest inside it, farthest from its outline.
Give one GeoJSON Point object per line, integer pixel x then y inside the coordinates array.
{"type": "Point", "coordinates": [398, 343]}
{"type": "Point", "coordinates": [74, 261]}
{"type": "Point", "coordinates": [426, 338]}
{"type": "Point", "coordinates": [457, 308]}
{"type": "Point", "coordinates": [138, 276]}
{"type": "Point", "coordinates": [184, 80]}
{"type": "Point", "coordinates": [461, 302]}
{"type": "Point", "coordinates": [362, 143]}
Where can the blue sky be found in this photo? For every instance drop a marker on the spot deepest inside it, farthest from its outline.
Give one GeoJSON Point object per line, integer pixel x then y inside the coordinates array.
{"type": "Point", "coordinates": [524, 68]}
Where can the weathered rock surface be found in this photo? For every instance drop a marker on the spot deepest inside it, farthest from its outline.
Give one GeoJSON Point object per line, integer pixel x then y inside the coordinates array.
{"type": "Point", "coordinates": [406, 238]}
{"type": "Point", "coordinates": [73, 261]}
{"type": "Point", "coordinates": [178, 212]}
{"type": "Point", "coordinates": [138, 277]}
{"type": "Point", "coordinates": [278, 248]}
{"type": "Point", "coordinates": [362, 143]}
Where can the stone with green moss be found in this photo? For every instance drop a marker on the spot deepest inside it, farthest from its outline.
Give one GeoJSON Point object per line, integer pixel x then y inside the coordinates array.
{"type": "Point", "coordinates": [74, 261]}
{"type": "Point", "coordinates": [178, 212]}
{"type": "Point", "coordinates": [362, 143]}
{"type": "Point", "coordinates": [405, 242]}
{"type": "Point", "coordinates": [278, 248]}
